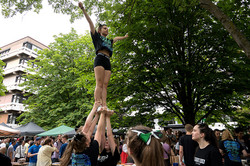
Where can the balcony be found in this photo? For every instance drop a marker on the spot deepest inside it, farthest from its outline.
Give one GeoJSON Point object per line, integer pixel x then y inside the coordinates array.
{"type": "Point", "coordinates": [19, 107]}
{"type": "Point", "coordinates": [14, 69]}
{"type": "Point", "coordinates": [17, 52]}
{"type": "Point", "coordinates": [14, 87]}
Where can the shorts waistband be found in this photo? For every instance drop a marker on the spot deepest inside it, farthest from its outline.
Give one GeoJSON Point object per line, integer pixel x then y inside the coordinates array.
{"type": "Point", "coordinates": [106, 56]}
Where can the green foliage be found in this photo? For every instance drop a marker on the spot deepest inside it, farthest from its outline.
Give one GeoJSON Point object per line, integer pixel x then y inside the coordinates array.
{"type": "Point", "coordinates": [56, 94]}
{"type": "Point", "coordinates": [182, 62]}
{"type": "Point", "coordinates": [178, 58]}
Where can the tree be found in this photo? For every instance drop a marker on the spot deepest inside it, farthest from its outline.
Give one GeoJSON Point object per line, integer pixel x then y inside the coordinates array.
{"type": "Point", "coordinates": [237, 35]}
{"type": "Point", "coordinates": [183, 62]}
{"type": "Point", "coordinates": [56, 95]}
{"type": "Point", "coordinates": [11, 8]}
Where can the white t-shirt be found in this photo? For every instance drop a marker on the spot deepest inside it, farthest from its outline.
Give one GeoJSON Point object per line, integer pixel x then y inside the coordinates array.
{"type": "Point", "coordinates": [2, 145]}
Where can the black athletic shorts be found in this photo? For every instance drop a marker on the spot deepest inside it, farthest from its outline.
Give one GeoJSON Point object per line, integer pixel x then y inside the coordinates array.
{"type": "Point", "coordinates": [102, 60]}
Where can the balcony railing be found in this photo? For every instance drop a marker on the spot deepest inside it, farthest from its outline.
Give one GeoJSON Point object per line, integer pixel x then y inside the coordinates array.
{"type": "Point", "coordinates": [17, 52]}
{"type": "Point", "coordinates": [20, 67]}
{"type": "Point", "coordinates": [13, 107]}
{"type": "Point", "coordinates": [14, 87]}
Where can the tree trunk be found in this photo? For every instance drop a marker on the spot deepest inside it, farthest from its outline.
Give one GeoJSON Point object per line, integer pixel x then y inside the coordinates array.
{"type": "Point", "coordinates": [240, 39]}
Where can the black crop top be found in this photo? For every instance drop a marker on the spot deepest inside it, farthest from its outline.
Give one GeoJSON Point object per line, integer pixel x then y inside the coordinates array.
{"type": "Point", "coordinates": [101, 42]}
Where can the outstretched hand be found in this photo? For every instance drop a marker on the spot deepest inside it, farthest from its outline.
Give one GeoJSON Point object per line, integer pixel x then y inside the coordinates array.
{"type": "Point", "coordinates": [80, 5]}
{"type": "Point", "coordinates": [126, 35]}
{"type": "Point", "coordinates": [109, 113]}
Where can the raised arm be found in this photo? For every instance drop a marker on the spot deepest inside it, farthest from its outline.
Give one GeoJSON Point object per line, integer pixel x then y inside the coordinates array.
{"type": "Point", "coordinates": [89, 119]}
{"type": "Point", "coordinates": [120, 38]}
{"type": "Point", "coordinates": [93, 124]}
{"type": "Point", "coordinates": [110, 133]}
{"type": "Point", "coordinates": [91, 25]}
{"type": "Point", "coordinates": [101, 123]}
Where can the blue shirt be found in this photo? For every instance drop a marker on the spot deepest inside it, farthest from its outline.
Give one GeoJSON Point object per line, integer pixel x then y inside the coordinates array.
{"type": "Point", "coordinates": [62, 149]}
{"type": "Point", "coordinates": [34, 149]}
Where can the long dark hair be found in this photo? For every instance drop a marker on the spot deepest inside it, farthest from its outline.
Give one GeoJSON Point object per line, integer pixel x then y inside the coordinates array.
{"type": "Point", "coordinates": [209, 134]}
{"type": "Point", "coordinates": [78, 144]}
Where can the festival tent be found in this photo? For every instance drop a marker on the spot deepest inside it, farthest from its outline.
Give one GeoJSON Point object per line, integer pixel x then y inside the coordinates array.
{"type": "Point", "coordinates": [5, 125]}
{"type": "Point", "coordinates": [30, 129]}
{"type": "Point", "coordinates": [7, 131]}
{"type": "Point", "coordinates": [56, 131]}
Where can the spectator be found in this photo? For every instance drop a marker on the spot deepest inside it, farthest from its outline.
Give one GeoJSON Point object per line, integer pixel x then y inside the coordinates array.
{"type": "Point", "coordinates": [187, 147]}
{"type": "Point", "coordinates": [33, 151]}
{"type": "Point", "coordinates": [217, 135]}
{"type": "Point", "coordinates": [5, 160]}
{"type": "Point", "coordinates": [10, 151]}
{"type": "Point", "coordinates": [239, 137]}
{"type": "Point", "coordinates": [231, 150]}
{"type": "Point", "coordinates": [208, 153]}
{"type": "Point", "coordinates": [64, 145]}
{"type": "Point", "coordinates": [58, 143]}
{"type": "Point", "coordinates": [20, 150]}
{"type": "Point", "coordinates": [144, 146]}
{"type": "Point", "coordinates": [26, 149]}
{"type": "Point", "coordinates": [166, 151]}
{"type": "Point", "coordinates": [45, 152]}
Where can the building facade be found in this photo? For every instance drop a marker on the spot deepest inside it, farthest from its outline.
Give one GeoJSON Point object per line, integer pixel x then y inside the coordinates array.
{"type": "Point", "coordinates": [15, 56]}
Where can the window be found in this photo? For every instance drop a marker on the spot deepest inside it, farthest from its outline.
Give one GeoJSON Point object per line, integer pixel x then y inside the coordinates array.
{"type": "Point", "coordinates": [23, 61]}
{"type": "Point", "coordinates": [28, 45]}
{"type": "Point", "coordinates": [31, 46]}
{"type": "Point", "coordinates": [12, 118]}
{"type": "Point", "coordinates": [5, 51]}
{"type": "Point", "coordinates": [20, 79]}
{"type": "Point", "coordinates": [18, 99]}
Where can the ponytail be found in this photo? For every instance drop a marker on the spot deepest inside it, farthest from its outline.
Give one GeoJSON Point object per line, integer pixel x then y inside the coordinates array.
{"type": "Point", "coordinates": [78, 144]}
{"type": "Point", "coordinates": [64, 161]}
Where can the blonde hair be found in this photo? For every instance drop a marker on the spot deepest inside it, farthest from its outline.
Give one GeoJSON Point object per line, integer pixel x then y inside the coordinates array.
{"type": "Point", "coordinates": [146, 155]}
{"type": "Point", "coordinates": [226, 135]}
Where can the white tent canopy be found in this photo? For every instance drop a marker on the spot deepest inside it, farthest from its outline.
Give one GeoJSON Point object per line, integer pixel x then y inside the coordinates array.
{"type": "Point", "coordinates": [6, 131]}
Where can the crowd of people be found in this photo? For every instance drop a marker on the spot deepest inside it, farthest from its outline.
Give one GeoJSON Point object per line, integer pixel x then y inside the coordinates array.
{"type": "Point", "coordinates": [140, 146]}
{"type": "Point", "coordinates": [199, 145]}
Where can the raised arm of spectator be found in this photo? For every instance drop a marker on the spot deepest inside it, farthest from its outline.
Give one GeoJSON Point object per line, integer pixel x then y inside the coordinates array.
{"type": "Point", "coordinates": [91, 25]}
{"type": "Point", "coordinates": [109, 132]}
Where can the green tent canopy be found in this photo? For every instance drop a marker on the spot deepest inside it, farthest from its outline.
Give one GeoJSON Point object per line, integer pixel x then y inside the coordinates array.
{"type": "Point", "coordinates": [56, 131]}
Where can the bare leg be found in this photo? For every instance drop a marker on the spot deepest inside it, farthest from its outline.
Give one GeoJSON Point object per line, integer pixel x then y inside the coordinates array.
{"type": "Point", "coordinates": [105, 86]}
{"type": "Point", "coordinates": [99, 77]}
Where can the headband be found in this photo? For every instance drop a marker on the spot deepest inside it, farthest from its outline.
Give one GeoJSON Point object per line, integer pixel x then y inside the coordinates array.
{"type": "Point", "coordinates": [146, 137]}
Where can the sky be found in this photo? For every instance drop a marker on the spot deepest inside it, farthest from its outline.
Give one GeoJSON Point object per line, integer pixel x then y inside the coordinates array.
{"type": "Point", "coordinates": [41, 27]}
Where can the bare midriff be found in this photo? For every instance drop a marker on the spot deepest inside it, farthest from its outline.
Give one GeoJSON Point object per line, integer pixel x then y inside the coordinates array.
{"type": "Point", "coordinates": [106, 52]}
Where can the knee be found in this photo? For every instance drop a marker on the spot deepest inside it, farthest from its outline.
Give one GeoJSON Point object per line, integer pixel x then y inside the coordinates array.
{"type": "Point", "coordinates": [99, 85]}
{"type": "Point", "coordinates": [105, 85]}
